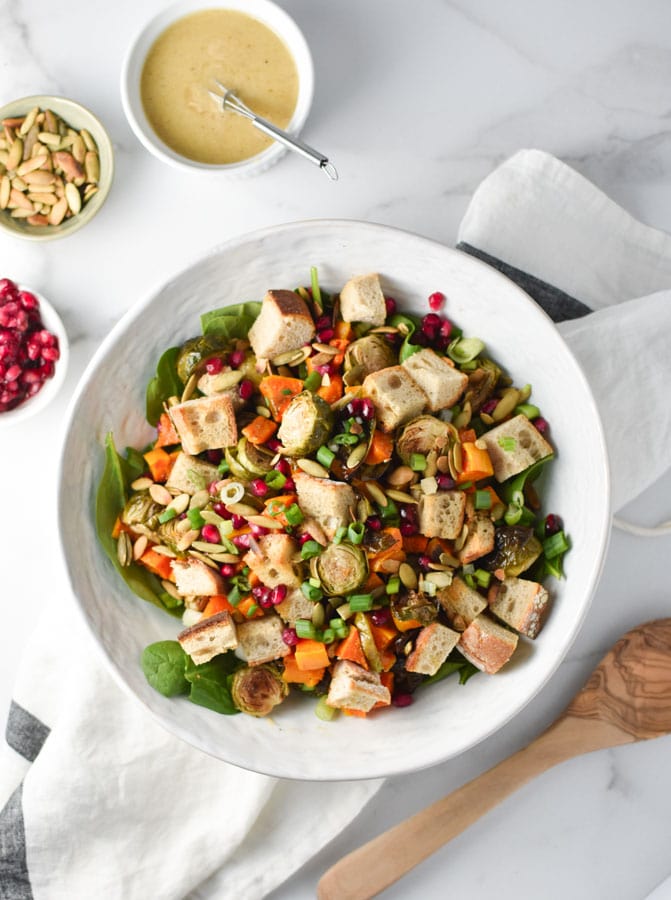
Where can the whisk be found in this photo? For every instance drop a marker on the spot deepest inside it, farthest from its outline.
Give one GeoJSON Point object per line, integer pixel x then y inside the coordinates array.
{"type": "Point", "coordinates": [228, 100]}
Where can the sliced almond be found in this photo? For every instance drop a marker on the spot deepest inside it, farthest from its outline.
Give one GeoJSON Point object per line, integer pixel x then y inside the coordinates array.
{"type": "Point", "coordinates": [312, 467]}
{"type": "Point", "coordinates": [140, 546]}
{"type": "Point", "coordinates": [160, 494]}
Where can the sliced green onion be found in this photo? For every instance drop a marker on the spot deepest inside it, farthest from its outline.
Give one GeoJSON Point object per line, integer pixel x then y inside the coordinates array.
{"type": "Point", "coordinates": [328, 635]}
{"type": "Point", "coordinates": [223, 468]}
{"type": "Point", "coordinates": [252, 609]}
{"type": "Point", "coordinates": [348, 440]}
{"type": "Point", "coordinates": [355, 532]}
{"type": "Point", "coordinates": [195, 519]}
{"type": "Point", "coordinates": [344, 611]}
{"type": "Point", "coordinates": [470, 580]}
{"type": "Point", "coordinates": [325, 712]}
{"type": "Point", "coordinates": [313, 382]}
{"type": "Point", "coordinates": [316, 290]}
{"type": "Point", "coordinates": [463, 350]}
{"type": "Point", "coordinates": [482, 500]}
{"type": "Point", "coordinates": [311, 592]}
{"type": "Point", "coordinates": [507, 444]}
{"type": "Point", "coordinates": [465, 485]}
{"type": "Point", "coordinates": [339, 536]}
{"type": "Point", "coordinates": [233, 596]}
{"type": "Point", "coordinates": [294, 515]}
{"type": "Point", "coordinates": [310, 549]}
{"type": "Point", "coordinates": [482, 577]}
{"type": "Point", "coordinates": [528, 410]}
{"type": "Point", "coordinates": [361, 602]}
{"type": "Point", "coordinates": [417, 462]}
{"type": "Point", "coordinates": [325, 456]}
{"type": "Point", "coordinates": [305, 629]}
{"type": "Point", "coordinates": [393, 585]}
{"type": "Point", "coordinates": [517, 498]}
{"type": "Point", "coordinates": [275, 479]}
{"type": "Point", "coordinates": [512, 515]}
{"type": "Point", "coordinates": [555, 545]}
{"type": "Point", "coordinates": [167, 515]}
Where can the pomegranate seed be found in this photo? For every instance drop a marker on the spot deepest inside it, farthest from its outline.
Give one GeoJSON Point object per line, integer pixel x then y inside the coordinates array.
{"type": "Point", "coordinates": [542, 426]}
{"type": "Point", "coordinates": [381, 616]}
{"type": "Point", "coordinates": [445, 483]}
{"type": "Point", "coordinates": [236, 359]}
{"type": "Point", "coordinates": [553, 524]}
{"type": "Point", "coordinates": [304, 538]}
{"type": "Point", "coordinates": [323, 322]}
{"type": "Point", "coordinates": [33, 350]}
{"type": "Point", "coordinates": [355, 406]}
{"type": "Point", "coordinates": [436, 300]}
{"type": "Point", "coordinates": [259, 530]}
{"type": "Point", "coordinates": [12, 373]}
{"type": "Point", "coordinates": [326, 369]}
{"type": "Point", "coordinates": [489, 406]}
{"type": "Point", "coordinates": [283, 467]}
{"type": "Point", "coordinates": [273, 445]}
{"type": "Point", "coordinates": [238, 521]}
{"type": "Point", "coordinates": [220, 509]}
{"type": "Point", "coordinates": [430, 325]}
{"type": "Point", "coordinates": [289, 485]}
{"type": "Point", "coordinates": [424, 562]}
{"type": "Point", "coordinates": [241, 541]}
{"type": "Point", "coordinates": [445, 329]}
{"type": "Point", "coordinates": [227, 570]}
{"type": "Point", "coordinates": [279, 594]}
{"type": "Point", "coordinates": [402, 699]}
{"type": "Point", "coordinates": [7, 289]}
{"type": "Point", "coordinates": [259, 487]}
{"type": "Point", "coordinates": [262, 595]}
{"type": "Point", "coordinates": [326, 335]}
{"type": "Point", "coordinates": [214, 366]}
{"type": "Point", "coordinates": [290, 637]}
{"type": "Point", "coordinates": [28, 300]}
{"type": "Point", "coordinates": [374, 523]}
{"type": "Point", "coordinates": [213, 456]}
{"type": "Point", "coordinates": [367, 409]}
{"type": "Point", "coordinates": [246, 389]}
{"type": "Point", "coordinates": [212, 488]}
{"type": "Point", "coordinates": [210, 533]}
{"type": "Point", "coordinates": [390, 303]}
{"type": "Point", "coordinates": [407, 529]}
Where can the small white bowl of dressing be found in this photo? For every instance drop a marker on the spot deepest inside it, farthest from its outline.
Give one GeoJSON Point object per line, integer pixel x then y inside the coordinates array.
{"type": "Point", "coordinates": [252, 47]}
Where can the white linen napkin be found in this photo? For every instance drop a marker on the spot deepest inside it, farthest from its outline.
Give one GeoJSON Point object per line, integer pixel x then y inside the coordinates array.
{"type": "Point", "coordinates": [109, 805]}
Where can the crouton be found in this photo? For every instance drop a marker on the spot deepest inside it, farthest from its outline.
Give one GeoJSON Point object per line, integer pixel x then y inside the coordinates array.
{"type": "Point", "coordinates": [461, 603]}
{"type": "Point", "coordinates": [206, 423]}
{"type": "Point", "coordinates": [209, 637]}
{"type": "Point", "coordinates": [330, 503]}
{"type": "Point", "coordinates": [295, 606]}
{"type": "Point", "coordinates": [433, 645]}
{"type": "Point", "coordinates": [277, 561]}
{"type": "Point", "coordinates": [442, 383]}
{"type": "Point", "coordinates": [362, 300]}
{"type": "Point", "coordinates": [352, 687]}
{"type": "Point", "coordinates": [486, 644]}
{"type": "Point", "coordinates": [396, 396]}
{"type": "Point", "coordinates": [522, 604]}
{"type": "Point", "coordinates": [194, 577]}
{"type": "Point", "coordinates": [283, 324]}
{"type": "Point", "coordinates": [514, 446]}
{"type": "Point", "coordinates": [190, 474]}
{"type": "Point", "coordinates": [442, 514]}
{"type": "Point", "coordinates": [261, 641]}
{"type": "Point", "coordinates": [479, 541]}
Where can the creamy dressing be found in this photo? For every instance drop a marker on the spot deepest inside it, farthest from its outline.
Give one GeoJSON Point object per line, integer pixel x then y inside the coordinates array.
{"type": "Point", "coordinates": [239, 51]}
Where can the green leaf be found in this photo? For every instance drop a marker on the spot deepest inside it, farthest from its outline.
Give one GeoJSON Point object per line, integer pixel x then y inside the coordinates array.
{"type": "Point", "coordinates": [468, 670]}
{"type": "Point", "coordinates": [110, 500]}
{"type": "Point", "coordinates": [211, 683]}
{"type": "Point", "coordinates": [164, 384]}
{"type": "Point", "coordinates": [509, 488]}
{"type": "Point", "coordinates": [231, 321]}
{"type": "Point", "coordinates": [449, 667]}
{"type": "Point", "coordinates": [163, 665]}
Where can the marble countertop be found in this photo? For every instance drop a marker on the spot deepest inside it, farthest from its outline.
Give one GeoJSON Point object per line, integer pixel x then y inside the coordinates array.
{"type": "Point", "coordinates": [415, 104]}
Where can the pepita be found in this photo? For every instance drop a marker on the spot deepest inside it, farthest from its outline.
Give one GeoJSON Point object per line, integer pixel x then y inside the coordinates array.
{"type": "Point", "coordinates": [204, 559]}
{"type": "Point", "coordinates": [510, 398]}
{"type": "Point", "coordinates": [208, 548]}
{"type": "Point", "coordinates": [311, 467]}
{"type": "Point", "coordinates": [401, 496]}
{"type": "Point", "coordinates": [376, 493]}
{"type": "Point", "coordinates": [461, 540]}
{"type": "Point", "coordinates": [160, 494]}
{"type": "Point", "coordinates": [143, 483]}
{"type": "Point", "coordinates": [241, 509]}
{"type": "Point", "coordinates": [124, 549]}
{"type": "Point", "coordinates": [408, 576]}
{"type": "Point", "coordinates": [440, 579]}
{"type": "Point", "coordinates": [326, 348]}
{"type": "Point", "coordinates": [262, 411]}
{"type": "Point", "coordinates": [165, 551]}
{"type": "Point", "coordinates": [199, 500]}
{"type": "Point", "coordinates": [170, 588]}
{"type": "Point", "coordinates": [187, 539]}
{"type": "Point", "coordinates": [192, 381]}
{"type": "Point", "coordinates": [265, 522]}
{"type": "Point", "coordinates": [357, 456]}
{"type": "Point", "coordinates": [179, 503]}
{"type": "Point", "coordinates": [291, 357]}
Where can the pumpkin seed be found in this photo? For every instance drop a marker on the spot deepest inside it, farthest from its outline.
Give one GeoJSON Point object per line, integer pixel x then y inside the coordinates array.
{"type": "Point", "coordinates": [192, 381]}
{"type": "Point", "coordinates": [263, 411]}
{"type": "Point", "coordinates": [357, 456]}
{"type": "Point", "coordinates": [326, 348]}
{"type": "Point", "coordinates": [289, 358]}
{"type": "Point", "coordinates": [165, 551]}
{"type": "Point", "coordinates": [462, 419]}
{"type": "Point", "coordinates": [317, 615]}
{"type": "Point", "coordinates": [124, 549]}
{"type": "Point", "coordinates": [401, 497]}
{"type": "Point", "coordinates": [376, 493]}
{"type": "Point", "coordinates": [170, 588]}
{"type": "Point", "coordinates": [140, 546]}
{"type": "Point", "coordinates": [440, 579]}
{"type": "Point", "coordinates": [461, 540]}
{"type": "Point", "coordinates": [179, 503]}
{"type": "Point", "coordinates": [311, 467]}
{"type": "Point", "coordinates": [242, 509]}
{"type": "Point", "coordinates": [204, 559]}
{"type": "Point", "coordinates": [207, 547]}
{"type": "Point", "coordinates": [455, 458]}
{"type": "Point", "coordinates": [141, 484]}
{"type": "Point", "coordinates": [199, 500]}
{"type": "Point", "coordinates": [187, 539]}
{"type": "Point", "coordinates": [265, 522]}
{"type": "Point", "coordinates": [408, 576]}
{"type": "Point", "coordinates": [510, 398]}
{"type": "Point", "coordinates": [448, 560]}
{"type": "Point", "coordinates": [160, 494]}
{"type": "Point", "coordinates": [210, 516]}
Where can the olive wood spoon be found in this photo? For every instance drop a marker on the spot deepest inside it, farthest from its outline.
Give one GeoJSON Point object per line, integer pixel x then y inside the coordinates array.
{"type": "Point", "coordinates": [627, 699]}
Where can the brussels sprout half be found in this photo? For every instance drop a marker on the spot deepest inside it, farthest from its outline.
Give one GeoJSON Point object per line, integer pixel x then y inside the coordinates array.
{"type": "Point", "coordinates": [341, 568]}
{"type": "Point", "coordinates": [306, 424]}
{"type": "Point", "coordinates": [257, 690]}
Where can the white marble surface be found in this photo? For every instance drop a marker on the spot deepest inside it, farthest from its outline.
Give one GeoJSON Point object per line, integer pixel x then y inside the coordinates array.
{"type": "Point", "coordinates": [415, 103]}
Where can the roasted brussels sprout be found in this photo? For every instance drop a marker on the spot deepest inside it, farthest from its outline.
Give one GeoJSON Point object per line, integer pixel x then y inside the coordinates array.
{"type": "Point", "coordinates": [306, 424]}
{"type": "Point", "coordinates": [196, 351]}
{"type": "Point", "coordinates": [481, 384]}
{"type": "Point", "coordinates": [257, 690]}
{"type": "Point", "coordinates": [516, 548]}
{"type": "Point", "coordinates": [255, 459]}
{"type": "Point", "coordinates": [341, 568]}
{"type": "Point", "coordinates": [421, 435]}
{"type": "Point", "coordinates": [413, 605]}
{"type": "Point", "coordinates": [369, 354]}
{"type": "Point", "coordinates": [140, 508]}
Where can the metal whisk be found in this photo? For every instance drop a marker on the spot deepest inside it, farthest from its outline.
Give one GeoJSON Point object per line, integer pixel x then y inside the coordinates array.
{"type": "Point", "coordinates": [228, 100]}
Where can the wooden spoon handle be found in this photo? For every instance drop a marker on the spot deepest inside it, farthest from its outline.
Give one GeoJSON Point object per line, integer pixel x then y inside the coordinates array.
{"type": "Point", "coordinates": [374, 866]}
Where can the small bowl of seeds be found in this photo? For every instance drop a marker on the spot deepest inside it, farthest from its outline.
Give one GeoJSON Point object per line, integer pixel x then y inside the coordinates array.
{"type": "Point", "coordinates": [56, 167]}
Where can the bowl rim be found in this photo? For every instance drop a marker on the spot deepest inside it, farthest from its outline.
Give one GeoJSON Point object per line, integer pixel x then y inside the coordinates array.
{"type": "Point", "coordinates": [35, 404]}
{"type": "Point", "coordinates": [270, 14]}
{"type": "Point", "coordinates": [95, 204]}
{"type": "Point", "coordinates": [589, 587]}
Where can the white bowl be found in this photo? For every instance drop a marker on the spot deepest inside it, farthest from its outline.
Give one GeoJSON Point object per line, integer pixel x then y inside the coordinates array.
{"type": "Point", "coordinates": [39, 401]}
{"type": "Point", "coordinates": [263, 10]}
{"type": "Point", "coordinates": [446, 718]}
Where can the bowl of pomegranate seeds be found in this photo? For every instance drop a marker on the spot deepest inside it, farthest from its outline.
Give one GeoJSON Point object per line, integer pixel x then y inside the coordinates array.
{"type": "Point", "coordinates": [33, 352]}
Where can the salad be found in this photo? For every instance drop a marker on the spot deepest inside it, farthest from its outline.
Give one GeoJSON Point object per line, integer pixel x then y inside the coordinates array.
{"type": "Point", "coordinates": [340, 501]}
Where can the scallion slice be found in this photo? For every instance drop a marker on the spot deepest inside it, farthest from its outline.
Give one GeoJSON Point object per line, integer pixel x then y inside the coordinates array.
{"type": "Point", "coordinates": [294, 514]}
{"type": "Point", "coordinates": [482, 500]}
{"type": "Point", "coordinates": [313, 382]}
{"type": "Point", "coordinates": [355, 532]}
{"type": "Point", "coordinates": [275, 479]}
{"type": "Point", "coordinates": [325, 456]}
{"type": "Point", "coordinates": [310, 549]}
{"type": "Point", "coordinates": [555, 545]}
{"type": "Point", "coordinates": [393, 585]}
{"type": "Point", "coordinates": [305, 629]}
{"type": "Point", "coordinates": [417, 462]}
{"type": "Point", "coordinates": [360, 602]}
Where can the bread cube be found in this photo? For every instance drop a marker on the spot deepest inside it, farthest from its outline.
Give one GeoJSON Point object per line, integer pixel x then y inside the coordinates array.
{"type": "Point", "coordinates": [209, 637]}
{"type": "Point", "coordinates": [486, 644]}
{"type": "Point", "coordinates": [480, 539]}
{"type": "Point", "coordinates": [261, 641]}
{"type": "Point", "coordinates": [514, 446]}
{"type": "Point", "coordinates": [442, 514]}
{"type": "Point", "coordinates": [295, 606]}
{"type": "Point", "coordinates": [520, 603]}
{"type": "Point", "coordinates": [330, 503]}
{"type": "Point", "coordinates": [283, 324]}
{"type": "Point", "coordinates": [461, 603]}
{"type": "Point", "coordinates": [206, 423]}
{"type": "Point", "coordinates": [442, 383]}
{"type": "Point", "coordinates": [193, 577]}
{"type": "Point", "coordinates": [352, 687]}
{"type": "Point", "coordinates": [433, 645]}
{"type": "Point", "coordinates": [362, 300]}
{"type": "Point", "coordinates": [190, 474]}
{"type": "Point", "coordinates": [396, 396]}
{"type": "Point", "coordinates": [276, 561]}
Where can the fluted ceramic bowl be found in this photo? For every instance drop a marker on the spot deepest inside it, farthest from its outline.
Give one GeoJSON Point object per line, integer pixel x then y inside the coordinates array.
{"type": "Point", "coordinates": [446, 718]}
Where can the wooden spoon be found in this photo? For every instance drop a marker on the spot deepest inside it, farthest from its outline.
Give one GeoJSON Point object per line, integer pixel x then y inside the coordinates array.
{"type": "Point", "coordinates": [627, 699]}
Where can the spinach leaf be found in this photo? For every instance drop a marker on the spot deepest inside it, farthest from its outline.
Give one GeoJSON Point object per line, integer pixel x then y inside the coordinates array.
{"type": "Point", "coordinates": [409, 325]}
{"type": "Point", "coordinates": [110, 501]}
{"type": "Point", "coordinates": [163, 665]}
{"type": "Point", "coordinates": [164, 384]}
{"type": "Point", "coordinates": [511, 487]}
{"type": "Point", "coordinates": [231, 321]}
{"type": "Point", "coordinates": [211, 682]}
{"type": "Point", "coordinates": [465, 668]}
